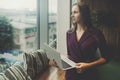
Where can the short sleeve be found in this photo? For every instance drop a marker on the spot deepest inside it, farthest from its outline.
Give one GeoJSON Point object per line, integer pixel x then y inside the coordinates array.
{"type": "Point", "coordinates": [103, 47]}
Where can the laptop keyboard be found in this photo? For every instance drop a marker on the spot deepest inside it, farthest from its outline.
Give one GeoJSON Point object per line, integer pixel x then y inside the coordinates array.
{"type": "Point", "coordinates": [65, 65]}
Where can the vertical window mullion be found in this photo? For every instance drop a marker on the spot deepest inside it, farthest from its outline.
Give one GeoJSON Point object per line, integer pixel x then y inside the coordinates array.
{"type": "Point", "coordinates": [38, 24]}
{"type": "Point", "coordinates": [43, 36]}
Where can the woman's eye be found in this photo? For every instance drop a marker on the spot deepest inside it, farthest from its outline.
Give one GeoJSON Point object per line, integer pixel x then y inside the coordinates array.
{"type": "Point", "coordinates": [74, 12]}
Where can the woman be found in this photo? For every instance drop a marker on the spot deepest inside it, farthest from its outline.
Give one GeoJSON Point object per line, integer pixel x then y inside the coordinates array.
{"type": "Point", "coordinates": [82, 43]}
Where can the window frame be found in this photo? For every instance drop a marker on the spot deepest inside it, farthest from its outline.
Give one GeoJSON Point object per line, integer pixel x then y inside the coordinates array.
{"type": "Point", "coordinates": [42, 22]}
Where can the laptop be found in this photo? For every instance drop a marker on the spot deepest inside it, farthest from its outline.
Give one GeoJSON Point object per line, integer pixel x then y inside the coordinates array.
{"type": "Point", "coordinates": [62, 61]}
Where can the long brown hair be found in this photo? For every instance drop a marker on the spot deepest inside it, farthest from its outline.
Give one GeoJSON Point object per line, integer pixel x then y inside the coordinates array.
{"type": "Point", "coordinates": [85, 16]}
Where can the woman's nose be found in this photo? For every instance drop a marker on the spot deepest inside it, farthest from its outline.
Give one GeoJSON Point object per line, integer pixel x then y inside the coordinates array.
{"type": "Point", "coordinates": [72, 15]}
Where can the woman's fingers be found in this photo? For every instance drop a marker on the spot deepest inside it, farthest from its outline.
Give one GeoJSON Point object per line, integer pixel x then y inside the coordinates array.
{"type": "Point", "coordinates": [52, 63]}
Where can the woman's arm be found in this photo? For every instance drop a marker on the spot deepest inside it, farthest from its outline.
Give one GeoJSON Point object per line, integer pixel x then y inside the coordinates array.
{"type": "Point", "coordinates": [83, 66]}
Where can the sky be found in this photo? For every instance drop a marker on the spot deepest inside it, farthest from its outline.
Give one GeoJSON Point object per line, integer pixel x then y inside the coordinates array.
{"type": "Point", "coordinates": [17, 4]}
{"type": "Point", "coordinates": [53, 6]}
{"type": "Point", "coordinates": [26, 4]}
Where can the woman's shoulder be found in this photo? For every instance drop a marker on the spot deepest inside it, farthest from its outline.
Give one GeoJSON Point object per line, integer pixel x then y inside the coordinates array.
{"type": "Point", "coordinates": [95, 31]}
{"type": "Point", "coordinates": [70, 31]}
{"type": "Point", "coordinates": [97, 34]}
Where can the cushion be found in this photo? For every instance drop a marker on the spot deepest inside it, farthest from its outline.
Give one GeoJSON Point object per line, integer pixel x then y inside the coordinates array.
{"type": "Point", "coordinates": [3, 76]}
{"type": "Point", "coordinates": [35, 62]}
{"type": "Point", "coordinates": [16, 72]}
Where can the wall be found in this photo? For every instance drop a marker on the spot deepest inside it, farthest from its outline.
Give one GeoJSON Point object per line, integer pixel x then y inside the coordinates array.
{"type": "Point", "coordinates": [63, 24]}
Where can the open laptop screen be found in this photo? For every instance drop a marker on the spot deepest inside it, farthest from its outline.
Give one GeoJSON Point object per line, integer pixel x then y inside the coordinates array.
{"type": "Point", "coordinates": [53, 54]}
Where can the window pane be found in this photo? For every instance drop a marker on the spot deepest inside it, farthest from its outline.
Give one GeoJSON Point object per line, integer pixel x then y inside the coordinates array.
{"type": "Point", "coordinates": [52, 23]}
{"type": "Point", "coordinates": [17, 30]}
{"type": "Point", "coordinates": [74, 1]}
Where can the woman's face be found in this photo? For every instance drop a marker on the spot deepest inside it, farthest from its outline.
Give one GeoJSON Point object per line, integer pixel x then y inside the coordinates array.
{"type": "Point", "coordinates": [75, 14]}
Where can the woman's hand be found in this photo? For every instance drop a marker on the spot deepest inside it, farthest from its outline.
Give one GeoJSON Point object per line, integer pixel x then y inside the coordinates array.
{"type": "Point", "coordinates": [82, 66]}
{"type": "Point", "coordinates": [52, 63]}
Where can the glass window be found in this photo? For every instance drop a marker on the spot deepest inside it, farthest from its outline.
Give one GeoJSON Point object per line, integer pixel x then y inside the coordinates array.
{"type": "Point", "coordinates": [52, 23]}
{"type": "Point", "coordinates": [74, 1]}
{"type": "Point", "coordinates": [17, 30]}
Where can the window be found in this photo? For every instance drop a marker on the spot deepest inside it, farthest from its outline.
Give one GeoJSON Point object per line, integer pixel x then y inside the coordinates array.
{"type": "Point", "coordinates": [17, 29]}
{"type": "Point", "coordinates": [74, 1]}
{"type": "Point", "coordinates": [52, 23]}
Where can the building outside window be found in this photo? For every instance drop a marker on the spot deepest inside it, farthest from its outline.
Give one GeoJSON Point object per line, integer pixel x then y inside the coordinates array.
{"type": "Point", "coordinates": [17, 30]}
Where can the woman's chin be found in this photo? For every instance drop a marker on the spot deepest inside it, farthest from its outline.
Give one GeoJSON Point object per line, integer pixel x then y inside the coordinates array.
{"type": "Point", "coordinates": [74, 22]}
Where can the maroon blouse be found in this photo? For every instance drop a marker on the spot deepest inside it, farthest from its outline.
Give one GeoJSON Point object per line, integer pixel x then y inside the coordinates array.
{"type": "Point", "coordinates": [84, 50]}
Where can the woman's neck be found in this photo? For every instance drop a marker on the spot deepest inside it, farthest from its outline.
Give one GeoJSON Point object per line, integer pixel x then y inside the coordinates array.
{"type": "Point", "coordinates": [79, 28]}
